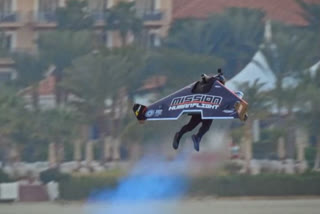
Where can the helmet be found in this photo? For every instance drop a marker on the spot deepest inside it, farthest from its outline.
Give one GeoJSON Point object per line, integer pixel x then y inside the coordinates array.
{"type": "Point", "coordinates": [220, 76]}
{"type": "Point", "coordinates": [221, 79]}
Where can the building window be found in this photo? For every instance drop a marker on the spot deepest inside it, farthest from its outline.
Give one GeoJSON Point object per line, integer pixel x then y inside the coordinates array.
{"type": "Point", "coordinates": [7, 41]}
{"type": "Point", "coordinates": [154, 40]}
{"type": "Point", "coordinates": [98, 8]}
{"type": "Point", "coordinates": [5, 6]}
{"type": "Point", "coordinates": [153, 11]}
{"type": "Point", "coordinates": [46, 10]}
{"type": "Point", "coordinates": [6, 11]}
{"type": "Point", "coordinates": [98, 5]}
{"type": "Point", "coordinates": [155, 5]}
{"type": "Point", "coordinates": [6, 74]}
{"type": "Point", "coordinates": [48, 5]}
{"type": "Point", "coordinates": [110, 3]}
{"type": "Point", "coordinates": [109, 39]}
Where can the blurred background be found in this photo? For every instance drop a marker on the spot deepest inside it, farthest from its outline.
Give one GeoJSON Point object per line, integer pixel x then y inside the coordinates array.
{"type": "Point", "coordinates": [70, 71]}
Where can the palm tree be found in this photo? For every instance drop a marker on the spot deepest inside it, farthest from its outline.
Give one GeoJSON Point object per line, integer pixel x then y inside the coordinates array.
{"type": "Point", "coordinates": [74, 16]}
{"type": "Point", "coordinates": [56, 127]}
{"type": "Point", "coordinates": [290, 51]}
{"type": "Point", "coordinates": [98, 77]}
{"type": "Point", "coordinates": [15, 123]}
{"type": "Point", "coordinates": [4, 52]}
{"type": "Point", "coordinates": [123, 18]}
{"type": "Point", "coordinates": [311, 14]}
{"type": "Point", "coordinates": [310, 108]}
{"type": "Point", "coordinates": [259, 103]}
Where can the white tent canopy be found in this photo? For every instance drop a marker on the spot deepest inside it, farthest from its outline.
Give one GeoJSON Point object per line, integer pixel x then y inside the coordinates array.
{"type": "Point", "coordinates": [314, 68]}
{"type": "Point", "coordinates": [257, 69]}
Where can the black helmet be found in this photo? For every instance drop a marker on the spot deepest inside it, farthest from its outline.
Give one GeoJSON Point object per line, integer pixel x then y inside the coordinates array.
{"type": "Point", "coordinates": [220, 76]}
{"type": "Point", "coordinates": [221, 79]}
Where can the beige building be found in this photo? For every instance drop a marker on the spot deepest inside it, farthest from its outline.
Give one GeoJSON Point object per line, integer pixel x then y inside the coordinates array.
{"type": "Point", "coordinates": [22, 20]}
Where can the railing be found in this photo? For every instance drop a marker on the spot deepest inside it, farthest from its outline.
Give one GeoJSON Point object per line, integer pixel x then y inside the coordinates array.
{"type": "Point", "coordinates": [98, 15]}
{"type": "Point", "coordinates": [153, 15]}
{"type": "Point", "coordinates": [9, 17]}
{"type": "Point", "coordinates": [23, 50]}
{"type": "Point", "coordinates": [146, 15]}
{"type": "Point", "coordinates": [45, 16]}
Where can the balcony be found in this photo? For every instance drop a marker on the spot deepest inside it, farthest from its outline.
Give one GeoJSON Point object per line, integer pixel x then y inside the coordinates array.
{"type": "Point", "coordinates": [8, 16]}
{"type": "Point", "coordinates": [153, 18]}
{"type": "Point", "coordinates": [153, 15]}
{"type": "Point", "coordinates": [45, 16]}
{"type": "Point", "coordinates": [9, 19]}
{"type": "Point", "coordinates": [48, 19]}
{"type": "Point", "coordinates": [45, 19]}
{"type": "Point", "coordinates": [149, 17]}
{"type": "Point", "coordinates": [5, 55]}
{"type": "Point", "coordinates": [99, 17]}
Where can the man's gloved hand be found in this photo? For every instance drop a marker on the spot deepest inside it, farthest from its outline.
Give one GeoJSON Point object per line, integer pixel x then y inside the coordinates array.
{"type": "Point", "coordinates": [204, 78]}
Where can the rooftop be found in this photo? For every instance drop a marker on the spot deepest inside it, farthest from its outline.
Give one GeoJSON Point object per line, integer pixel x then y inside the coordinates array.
{"type": "Point", "coordinates": [287, 11]}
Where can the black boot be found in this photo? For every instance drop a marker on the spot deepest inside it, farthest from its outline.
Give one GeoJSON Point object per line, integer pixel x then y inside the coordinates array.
{"type": "Point", "coordinates": [196, 142]}
{"type": "Point", "coordinates": [176, 140]}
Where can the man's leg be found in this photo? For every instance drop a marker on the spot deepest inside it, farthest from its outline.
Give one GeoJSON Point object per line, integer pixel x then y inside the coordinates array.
{"type": "Point", "coordinates": [194, 121]}
{"type": "Point", "coordinates": [203, 129]}
{"type": "Point", "coordinates": [206, 124]}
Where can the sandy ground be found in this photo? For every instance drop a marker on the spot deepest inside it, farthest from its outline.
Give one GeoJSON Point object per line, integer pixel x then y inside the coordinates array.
{"type": "Point", "coordinates": [205, 206]}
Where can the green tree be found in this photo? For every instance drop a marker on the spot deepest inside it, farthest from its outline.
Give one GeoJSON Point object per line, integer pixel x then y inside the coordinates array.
{"type": "Point", "coordinates": [72, 40]}
{"type": "Point", "coordinates": [4, 52]}
{"type": "Point", "coordinates": [93, 79]}
{"type": "Point", "coordinates": [60, 48]}
{"type": "Point", "coordinates": [234, 36]}
{"type": "Point", "coordinates": [30, 69]}
{"type": "Point", "coordinates": [74, 16]}
{"type": "Point", "coordinates": [179, 67]}
{"type": "Point", "coordinates": [58, 127]}
{"type": "Point", "coordinates": [288, 54]}
{"type": "Point", "coordinates": [123, 18]}
{"type": "Point", "coordinates": [311, 13]}
{"type": "Point", "coordinates": [105, 76]}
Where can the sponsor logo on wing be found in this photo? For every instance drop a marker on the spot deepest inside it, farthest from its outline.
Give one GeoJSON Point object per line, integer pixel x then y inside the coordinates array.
{"type": "Point", "coordinates": [228, 111]}
{"type": "Point", "coordinates": [195, 101]}
{"type": "Point", "coordinates": [153, 113]}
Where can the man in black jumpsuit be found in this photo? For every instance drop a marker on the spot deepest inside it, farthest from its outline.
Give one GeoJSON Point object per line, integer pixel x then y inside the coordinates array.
{"type": "Point", "coordinates": [196, 118]}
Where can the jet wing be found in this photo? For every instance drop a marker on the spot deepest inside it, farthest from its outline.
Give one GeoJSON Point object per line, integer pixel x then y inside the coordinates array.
{"type": "Point", "coordinates": [218, 103]}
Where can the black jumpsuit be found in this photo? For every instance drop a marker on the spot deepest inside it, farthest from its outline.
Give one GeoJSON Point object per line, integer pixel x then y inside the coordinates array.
{"type": "Point", "coordinates": [194, 121]}
{"type": "Point", "coordinates": [196, 118]}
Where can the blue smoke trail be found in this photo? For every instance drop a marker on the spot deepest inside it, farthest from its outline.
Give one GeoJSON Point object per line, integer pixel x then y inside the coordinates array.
{"type": "Point", "coordinates": [150, 180]}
